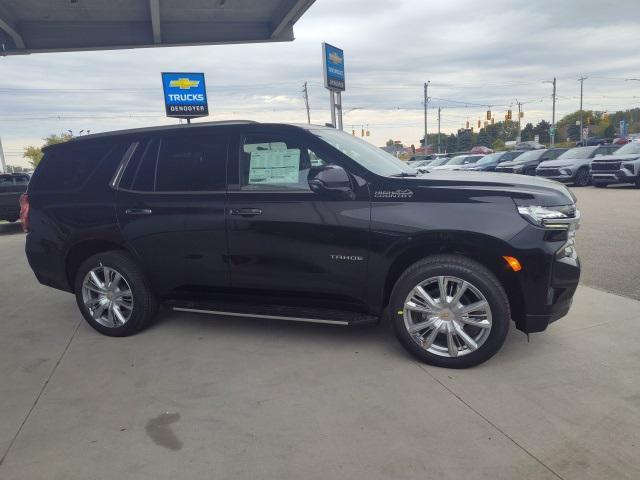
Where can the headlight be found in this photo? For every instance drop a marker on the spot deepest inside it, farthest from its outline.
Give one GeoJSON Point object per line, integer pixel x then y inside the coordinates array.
{"type": "Point", "coordinates": [557, 218]}
{"type": "Point", "coordinates": [628, 166]}
{"type": "Point", "coordinates": [565, 171]}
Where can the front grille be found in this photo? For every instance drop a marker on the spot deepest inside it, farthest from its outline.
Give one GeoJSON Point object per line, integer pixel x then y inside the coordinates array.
{"type": "Point", "coordinates": [605, 166]}
{"type": "Point", "coordinates": [506, 169]}
{"type": "Point", "coordinates": [548, 172]}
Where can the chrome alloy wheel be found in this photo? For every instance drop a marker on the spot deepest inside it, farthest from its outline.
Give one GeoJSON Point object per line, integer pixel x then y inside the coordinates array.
{"type": "Point", "coordinates": [107, 296]}
{"type": "Point", "coordinates": [447, 316]}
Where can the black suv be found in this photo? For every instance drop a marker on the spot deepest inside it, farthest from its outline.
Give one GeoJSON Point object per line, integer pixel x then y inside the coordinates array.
{"type": "Point", "coordinates": [303, 223]}
{"type": "Point", "coordinates": [527, 162]}
{"type": "Point", "coordinates": [12, 185]}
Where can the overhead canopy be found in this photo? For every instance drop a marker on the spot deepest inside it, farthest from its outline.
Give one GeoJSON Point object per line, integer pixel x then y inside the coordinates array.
{"type": "Point", "coordinates": [33, 26]}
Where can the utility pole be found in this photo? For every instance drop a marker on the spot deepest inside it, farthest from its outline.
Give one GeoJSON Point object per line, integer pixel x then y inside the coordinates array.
{"type": "Point", "coordinates": [519, 137]}
{"type": "Point", "coordinates": [426, 100]}
{"type": "Point", "coordinates": [553, 114]}
{"type": "Point", "coordinates": [305, 93]}
{"type": "Point", "coordinates": [3, 165]}
{"type": "Point", "coordinates": [439, 110]}
{"type": "Point", "coordinates": [581, 80]}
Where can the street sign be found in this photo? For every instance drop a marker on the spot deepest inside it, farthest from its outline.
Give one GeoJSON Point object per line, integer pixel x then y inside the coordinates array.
{"type": "Point", "coordinates": [185, 95]}
{"type": "Point", "coordinates": [333, 63]}
{"type": "Point", "coordinates": [623, 128]}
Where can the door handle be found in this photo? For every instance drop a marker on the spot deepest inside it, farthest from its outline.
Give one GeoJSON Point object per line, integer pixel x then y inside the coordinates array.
{"type": "Point", "coordinates": [138, 211]}
{"type": "Point", "coordinates": [245, 212]}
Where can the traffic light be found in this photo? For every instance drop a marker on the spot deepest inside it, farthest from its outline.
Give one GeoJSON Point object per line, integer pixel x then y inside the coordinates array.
{"type": "Point", "coordinates": [467, 124]}
{"type": "Point", "coordinates": [367, 133]}
{"type": "Point", "coordinates": [521, 114]}
{"type": "Point", "coordinates": [362, 133]}
{"type": "Point", "coordinates": [479, 123]}
{"type": "Point", "coordinates": [353, 132]}
{"type": "Point", "coordinates": [488, 114]}
{"type": "Point", "coordinates": [492, 120]}
{"type": "Point", "coordinates": [509, 115]}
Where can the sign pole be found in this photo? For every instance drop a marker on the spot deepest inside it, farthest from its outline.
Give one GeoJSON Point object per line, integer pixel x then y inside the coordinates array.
{"type": "Point", "coordinates": [332, 98]}
{"type": "Point", "coordinates": [339, 106]}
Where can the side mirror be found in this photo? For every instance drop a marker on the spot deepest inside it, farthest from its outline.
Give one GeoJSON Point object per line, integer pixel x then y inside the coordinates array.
{"type": "Point", "coordinates": [332, 181]}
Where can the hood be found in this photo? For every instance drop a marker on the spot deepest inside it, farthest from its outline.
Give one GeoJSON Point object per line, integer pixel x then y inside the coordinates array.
{"type": "Point", "coordinates": [614, 157]}
{"type": "Point", "coordinates": [567, 162]}
{"type": "Point", "coordinates": [443, 167]}
{"type": "Point", "coordinates": [523, 189]}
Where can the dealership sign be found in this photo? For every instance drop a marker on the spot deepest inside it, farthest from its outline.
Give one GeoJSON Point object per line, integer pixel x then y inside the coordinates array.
{"type": "Point", "coordinates": [333, 61]}
{"type": "Point", "coordinates": [185, 95]}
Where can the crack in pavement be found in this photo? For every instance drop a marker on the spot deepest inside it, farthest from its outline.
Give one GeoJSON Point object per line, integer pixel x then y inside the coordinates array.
{"type": "Point", "coordinates": [44, 386]}
{"type": "Point", "coordinates": [506, 435]}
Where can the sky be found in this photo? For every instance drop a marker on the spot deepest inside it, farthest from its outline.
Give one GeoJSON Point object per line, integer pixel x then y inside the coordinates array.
{"type": "Point", "coordinates": [474, 54]}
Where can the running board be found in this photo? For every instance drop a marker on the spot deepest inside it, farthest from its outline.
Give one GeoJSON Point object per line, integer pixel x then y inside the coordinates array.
{"type": "Point", "coordinates": [277, 312]}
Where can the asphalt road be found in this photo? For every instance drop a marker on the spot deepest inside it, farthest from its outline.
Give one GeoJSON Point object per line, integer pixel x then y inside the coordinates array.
{"type": "Point", "coordinates": [609, 238]}
{"type": "Point", "coordinates": [197, 396]}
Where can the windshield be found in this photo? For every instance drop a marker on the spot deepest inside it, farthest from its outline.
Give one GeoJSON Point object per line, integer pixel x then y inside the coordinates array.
{"type": "Point", "coordinates": [369, 156]}
{"type": "Point", "coordinates": [629, 148]}
{"type": "Point", "coordinates": [459, 160]}
{"type": "Point", "coordinates": [494, 157]}
{"type": "Point", "coordinates": [580, 152]}
{"type": "Point", "coordinates": [439, 161]}
{"type": "Point", "coordinates": [530, 155]}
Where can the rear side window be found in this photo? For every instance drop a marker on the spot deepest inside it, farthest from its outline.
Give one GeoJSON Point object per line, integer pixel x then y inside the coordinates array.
{"type": "Point", "coordinates": [68, 167]}
{"type": "Point", "coordinates": [140, 172]}
{"type": "Point", "coordinates": [191, 163]}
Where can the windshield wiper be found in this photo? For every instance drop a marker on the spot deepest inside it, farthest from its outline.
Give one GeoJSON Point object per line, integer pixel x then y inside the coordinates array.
{"type": "Point", "coordinates": [404, 174]}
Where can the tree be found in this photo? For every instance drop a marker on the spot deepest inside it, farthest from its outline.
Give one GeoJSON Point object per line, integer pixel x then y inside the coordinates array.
{"type": "Point", "coordinates": [484, 139]}
{"type": "Point", "coordinates": [451, 143]}
{"type": "Point", "coordinates": [573, 132]}
{"type": "Point", "coordinates": [527, 133]}
{"type": "Point", "coordinates": [390, 143]}
{"type": "Point", "coordinates": [542, 130]}
{"type": "Point", "coordinates": [498, 145]}
{"type": "Point", "coordinates": [34, 154]}
{"type": "Point", "coordinates": [465, 140]}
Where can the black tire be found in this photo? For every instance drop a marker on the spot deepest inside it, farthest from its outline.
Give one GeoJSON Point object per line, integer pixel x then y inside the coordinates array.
{"type": "Point", "coordinates": [582, 178]}
{"type": "Point", "coordinates": [465, 269]}
{"type": "Point", "coordinates": [145, 305]}
{"type": "Point", "coordinates": [600, 184]}
{"type": "Point", "coordinates": [530, 172]}
{"type": "Point", "coordinates": [12, 219]}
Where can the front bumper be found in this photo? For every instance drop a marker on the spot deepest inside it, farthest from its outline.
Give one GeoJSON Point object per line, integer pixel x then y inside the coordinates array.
{"type": "Point", "coordinates": [548, 279]}
{"type": "Point", "coordinates": [563, 175]}
{"type": "Point", "coordinates": [620, 176]}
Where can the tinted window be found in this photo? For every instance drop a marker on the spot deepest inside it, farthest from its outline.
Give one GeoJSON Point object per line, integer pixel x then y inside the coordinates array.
{"type": "Point", "coordinates": [629, 148]}
{"type": "Point", "coordinates": [192, 163]}
{"type": "Point", "coordinates": [6, 180]}
{"type": "Point", "coordinates": [276, 162]}
{"type": "Point", "coordinates": [140, 169]}
{"type": "Point", "coordinates": [69, 166]}
{"type": "Point", "coordinates": [20, 179]}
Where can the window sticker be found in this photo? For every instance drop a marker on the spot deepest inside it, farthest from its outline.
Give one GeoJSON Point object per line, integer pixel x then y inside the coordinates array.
{"type": "Point", "coordinates": [274, 166]}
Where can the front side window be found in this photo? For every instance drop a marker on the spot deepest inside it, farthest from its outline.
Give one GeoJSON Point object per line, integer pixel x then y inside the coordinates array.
{"type": "Point", "coordinates": [276, 162]}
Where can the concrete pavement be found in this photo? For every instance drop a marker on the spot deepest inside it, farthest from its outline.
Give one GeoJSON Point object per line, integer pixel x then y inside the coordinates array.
{"type": "Point", "coordinates": [197, 396]}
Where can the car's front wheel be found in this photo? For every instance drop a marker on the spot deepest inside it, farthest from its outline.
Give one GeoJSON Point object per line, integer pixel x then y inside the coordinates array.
{"type": "Point", "coordinates": [113, 294]}
{"type": "Point", "coordinates": [450, 311]}
{"type": "Point", "coordinates": [582, 178]}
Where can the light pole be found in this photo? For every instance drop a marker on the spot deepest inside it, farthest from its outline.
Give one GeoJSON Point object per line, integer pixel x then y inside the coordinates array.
{"type": "Point", "coordinates": [426, 100]}
{"type": "Point", "coordinates": [581, 80]}
{"type": "Point", "coordinates": [553, 113]}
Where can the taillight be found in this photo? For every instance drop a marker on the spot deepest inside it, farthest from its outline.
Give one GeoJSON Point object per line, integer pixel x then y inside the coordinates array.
{"type": "Point", "coordinates": [24, 211]}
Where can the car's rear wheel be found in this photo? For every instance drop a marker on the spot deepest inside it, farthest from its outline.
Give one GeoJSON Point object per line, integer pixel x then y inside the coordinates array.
{"type": "Point", "coordinates": [113, 294]}
{"type": "Point", "coordinates": [450, 311]}
{"type": "Point", "coordinates": [582, 178]}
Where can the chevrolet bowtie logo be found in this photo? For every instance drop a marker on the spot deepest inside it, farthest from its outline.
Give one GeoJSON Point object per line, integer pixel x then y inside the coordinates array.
{"type": "Point", "coordinates": [184, 83]}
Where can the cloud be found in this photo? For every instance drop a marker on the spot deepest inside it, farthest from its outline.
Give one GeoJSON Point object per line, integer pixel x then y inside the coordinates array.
{"type": "Point", "coordinates": [488, 53]}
